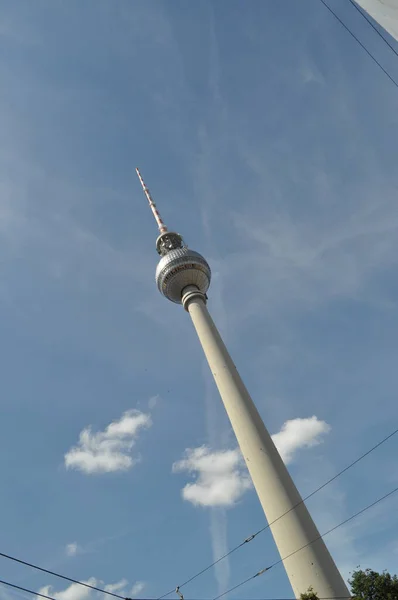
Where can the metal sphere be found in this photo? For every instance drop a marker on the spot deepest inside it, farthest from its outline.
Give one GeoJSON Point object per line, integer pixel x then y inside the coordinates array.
{"type": "Point", "coordinates": [178, 269]}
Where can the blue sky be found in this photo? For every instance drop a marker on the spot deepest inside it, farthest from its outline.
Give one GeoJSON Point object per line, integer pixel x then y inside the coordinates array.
{"type": "Point", "coordinates": [268, 139]}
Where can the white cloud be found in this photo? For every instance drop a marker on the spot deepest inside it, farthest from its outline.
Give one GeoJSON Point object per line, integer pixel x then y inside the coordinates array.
{"type": "Point", "coordinates": [74, 592]}
{"type": "Point", "coordinates": [152, 402]}
{"type": "Point", "coordinates": [116, 587]}
{"type": "Point", "coordinates": [312, 263]}
{"type": "Point", "coordinates": [137, 588]}
{"type": "Point", "coordinates": [72, 549]}
{"type": "Point", "coordinates": [78, 592]}
{"type": "Point", "coordinates": [4, 595]}
{"type": "Point", "coordinates": [218, 433]}
{"type": "Point", "coordinates": [110, 450]}
{"type": "Point", "coordinates": [219, 542]}
{"type": "Point", "coordinates": [299, 433]}
{"type": "Point", "coordinates": [221, 477]}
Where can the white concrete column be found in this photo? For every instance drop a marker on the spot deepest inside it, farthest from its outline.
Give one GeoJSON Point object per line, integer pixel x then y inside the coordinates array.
{"type": "Point", "coordinates": [313, 565]}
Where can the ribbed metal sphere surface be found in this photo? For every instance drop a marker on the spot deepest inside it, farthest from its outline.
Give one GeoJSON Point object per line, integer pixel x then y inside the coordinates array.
{"type": "Point", "coordinates": [178, 269]}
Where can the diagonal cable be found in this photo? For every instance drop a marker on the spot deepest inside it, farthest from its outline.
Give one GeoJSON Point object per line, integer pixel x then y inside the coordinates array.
{"type": "Point", "coordinates": [360, 43]}
{"type": "Point", "coordinates": [365, 16]}
{"type": "Point", "coordinates": [18, 587]}
{"type": "Point", "coordinates": [319, 537]}
{"type": "Point", "coordinates": [87, 585]}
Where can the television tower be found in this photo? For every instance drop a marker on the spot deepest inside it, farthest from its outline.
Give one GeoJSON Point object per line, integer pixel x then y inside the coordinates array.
{"type": "Point", "coordinates": [183, 276]}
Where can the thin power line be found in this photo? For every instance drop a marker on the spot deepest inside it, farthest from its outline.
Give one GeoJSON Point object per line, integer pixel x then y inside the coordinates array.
{"type": "Point", "coordinates": [87, 585]}
{"type": "Point", "coordinates": [281, 560]}
{"type": "Point", "coordinates": [360, 43]}
{"type": "Point", "coordinates": [251, 537]}
{"type": "Point", "coordinates": [17, 587]}
{"type": "Point", "coordinates": [364, 15]}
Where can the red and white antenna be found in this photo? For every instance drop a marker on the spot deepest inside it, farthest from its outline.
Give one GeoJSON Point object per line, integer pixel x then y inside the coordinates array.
{"type": "Point", "coordinates": [162, 227]}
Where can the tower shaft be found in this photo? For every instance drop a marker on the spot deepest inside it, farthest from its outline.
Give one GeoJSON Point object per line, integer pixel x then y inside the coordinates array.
{"type": "Point", "coordinates": [312, 565]}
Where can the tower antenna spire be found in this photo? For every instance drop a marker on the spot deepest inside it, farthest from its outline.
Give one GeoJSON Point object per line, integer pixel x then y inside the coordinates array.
{"type": "Point", "coordinates": [161, 226]}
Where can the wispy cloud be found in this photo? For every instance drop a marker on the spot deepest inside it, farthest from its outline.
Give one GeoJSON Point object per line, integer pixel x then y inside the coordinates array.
{"type": "Point", "coordinates": [219, 542]}
{"type": "Point", "coordinates": [109, 450]}
{"type": "Point", "coordinates": [152, 402]}
{"type": "Point", "coordinates": [6, 595]}
{"type": "Point", "coordinates": [312, 264]}
{"type": "Point", "coordinates": [72, 549]}
{"type": "Point", "coordinates": [116, 587]}
{"type": "Point", "coordinates": [137, 588]}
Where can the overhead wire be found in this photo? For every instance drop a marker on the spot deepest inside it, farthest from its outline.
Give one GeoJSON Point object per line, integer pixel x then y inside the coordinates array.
{"type": "Point", "coordinates": [360, 43]}
{"type": "Point", "coordinates": [65, 577]}
{"type": "Point", "coordinates": [365, 16]}
{"type": "Point", "coordinates": [281, 560]}
{"type": "Point", "coordinates": [40, 595]}
{"type": "Point", "coordinates": [22, 589]}
{"type": "Point", "coordinates": [254, 535]}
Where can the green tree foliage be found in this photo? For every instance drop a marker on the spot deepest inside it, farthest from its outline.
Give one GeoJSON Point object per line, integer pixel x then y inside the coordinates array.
{"type": "Point", "coordinates": [367, 585]}
{"type": "Point", "coordinates": [370, 585]}
{"type": "Point", "coordinates": [310, 595]}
